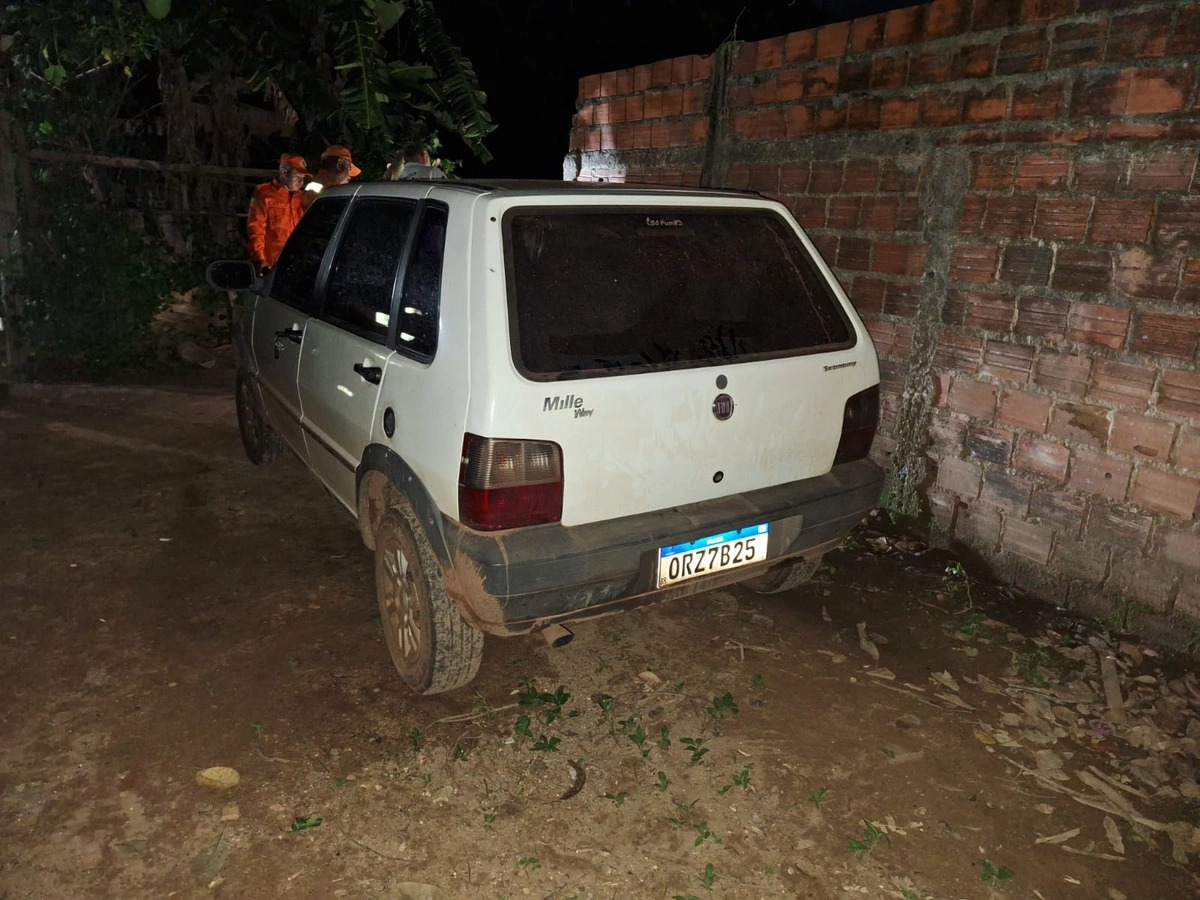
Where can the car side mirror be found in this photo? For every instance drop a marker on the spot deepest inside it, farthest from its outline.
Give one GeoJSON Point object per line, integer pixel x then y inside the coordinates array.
{"type": "Point", "coordinates": [232, 275]}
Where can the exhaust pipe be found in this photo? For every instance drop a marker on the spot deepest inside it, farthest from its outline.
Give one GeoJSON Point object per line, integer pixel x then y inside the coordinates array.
{"type": "Point", "coordinates": [557, 635]}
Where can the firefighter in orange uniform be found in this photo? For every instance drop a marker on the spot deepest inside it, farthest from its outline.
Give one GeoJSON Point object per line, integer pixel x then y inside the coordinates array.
{"type": "Point", "coordinates": [275, 209]}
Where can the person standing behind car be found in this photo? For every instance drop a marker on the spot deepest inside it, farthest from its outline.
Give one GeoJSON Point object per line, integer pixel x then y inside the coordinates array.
{"type": "Point", "coordinates": [413, 164]}
{"type": "Point", "coordinates": [336, 167]}
{"type": "Point", "coordinates": [275, 208]}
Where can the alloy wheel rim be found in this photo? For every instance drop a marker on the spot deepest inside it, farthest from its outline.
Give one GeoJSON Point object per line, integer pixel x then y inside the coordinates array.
{"type": "Point", "coordinates": [402, 604]}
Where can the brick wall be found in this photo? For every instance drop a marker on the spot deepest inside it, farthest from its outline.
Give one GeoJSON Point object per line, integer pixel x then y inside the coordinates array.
{"type": "Point", "coordinates": [1008, 191]}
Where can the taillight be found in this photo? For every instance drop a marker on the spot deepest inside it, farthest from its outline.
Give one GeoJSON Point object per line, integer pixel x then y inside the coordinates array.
{"type": "Point", "coordinates": [509, 484]}
{"type": "Point", "coordinates": [859, 421]}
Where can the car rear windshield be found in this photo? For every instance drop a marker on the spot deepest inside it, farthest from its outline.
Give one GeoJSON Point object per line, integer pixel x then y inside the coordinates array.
{"type": "Point", "coordinates": [595, 292]}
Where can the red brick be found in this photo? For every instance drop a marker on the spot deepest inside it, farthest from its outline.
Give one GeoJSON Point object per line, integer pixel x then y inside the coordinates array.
{"type": "Point", "coordinates": [888, 72]}
{"type": "Point", "coordinates": [1042, 457]}
{"type": "Point", "coordinates": [1121, 384]}
{"type": "Point", "coordinates": [809, 211]}
{"type": "Point", "coordinates": [853, 76]}
{"type": "Point", "coordinates": [1178, 224]}
{"type": "Point", "coordinates": [1158, 91]}
{"type": "Point", "coordinates": [1139, 36]}
{"type": "Point", "coordinates": [990, 14]}
{"type": "Point", "coordinates": [1064, 510]}
{"type": "Point", "coordinates": [769, 56]}
{"type": "Point", "coordinates": [1078, 44]}
{"type": "Point", "coordinates": [1029, 541]}
{"type": "Point", "coordinates": [1141, 437]}
{"type": "Point", "coordinates": [959, 476]}
{"type": "Point", "coordinates": [978, 526]}
{"type": "Point", "coordinates": [979, 309]}
{"type": "Point", "coordinates": [1061, 219]}
{"type": "Point", "coordinates": [972, 398]}
{"type": "Point", "coordinates": [938, 110]}
{"type": "Point", "coordinates": [1023, 409]}
{"type": "Point", "coordinates": [863, 113]}
{"type": "Point", "coordinates": [1026, 265]}
{"type": "Point", "coordinates": [1182, 548]}
{"type": "Point", "coordinates": [821, 80]}
{"type": "Point", "coordinates": [672, 102]}
{"type": "Point", "coordinates": [946, 435]}
{"type": "Point", "coordinates": [800, 46]}
{"type": "Point", "coordinates": [1084, 562]}
{"type": "Point", "coordinates": [589, 87]}
{"type": "Point", "coordinates": [1010, 493]}
{"type": "Point", "coordinates": [1163, 172]}
{"type": "Point", "coordinates": [764, 177]}
{"type": "Point", "coordinates": [867, 33]}
{"type": "Point", "coordinates": [1099, 473]}
{"type": "Point", "coordinates": [1095, 96]}
{"type": "Point", "coordinates": [879, 213]}
{"type": "Point", "coordinates": [989, 445]}
{"type": "Point", "coordinates": [1009, 216]}
{"type": "Point", "coordinates": [1128, 130]}
{"type": "Point", "coordinates": [1165, 334]}
{"type": "Point", "coordinates": [1118, 527]}
{"type": "Point", "coordinates": [855, 254]}
{"type": "Point", "coordinates": [832, 40]}
{"type": "Point", "coordinates": [1179, 394]}
{"type": "Point", "coordinates": [1189, 283]}
{"type": "Point", "coordinates": [1185, 37]}
{"type": "Point", "coordinates": [1147, 277]}
{"type": "Point", "coordinates": [973, 61]}
{"type": "Point", "coordinates": [1122, 220]}
{"type": "Point", "coordinates": [902, 299]}
{"type": "Point", "coordinates": [1079, 424]}
{"type": "Point", "coordinates": [843, 212]}
{"type": "Point", "coordinates": [899, 112]}
{"type": "Point", "coordinates": [1187, 450]}
{"type": "Point", "coordinates": [1038, 103]}
{"type": "Point", "coordinates": [970, 221]}
{"type": "Point", "coordinates": [1101, 176]}
{"type": "Point", "coordinates": [1099, 324]}
{"type": "Point", "coordinates": [898, 257]}
{"type": "Point", "coordinates": [826, 176]}
{"type": "Point", "coordinates": [1084, 271]}
{"type": "Point", "coordinates": [799, 121]}
{"type": "Point", "coordinates": [892, 339]}
{"type": "Point", "coordinates": [1022, 52]}
{"type": "Point", "coordinates": [865, 293]}
{"type": "Point", "coordinates": [1166, 493]}
{"type": "Point", "coordinates": [1008, 362]}
{"type": "Point", "coordinates": [904, 26]}
{"type": "Point", "coordinates": [826, 245]}
{"type": "Point", "coordinates": [1046, 10]}
{"type": "Point", "coordinates": [970, 262]}
{"type": "Point", "coordinates": [1062, 373]}
{"type": "Point", "coordinates": [661, 73]}
{"type": "Point", "coordinates": [989, 106]}
{"type": "Point", "coordinates": [958, 352]}
{"type": "Point", "coordinates": [1040, 316]}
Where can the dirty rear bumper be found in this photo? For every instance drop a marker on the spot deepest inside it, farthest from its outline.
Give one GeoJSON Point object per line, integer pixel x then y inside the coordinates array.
{"type": "Point", "coordinates": [535, 576]}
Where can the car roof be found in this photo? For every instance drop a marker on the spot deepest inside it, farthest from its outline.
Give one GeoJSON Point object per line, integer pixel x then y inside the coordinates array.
{"type": "Point", "coordinates": [529, 187]}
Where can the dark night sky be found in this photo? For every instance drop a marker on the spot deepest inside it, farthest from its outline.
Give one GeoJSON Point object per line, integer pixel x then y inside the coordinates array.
{"type": "Point", "coordinates": [530, 56]}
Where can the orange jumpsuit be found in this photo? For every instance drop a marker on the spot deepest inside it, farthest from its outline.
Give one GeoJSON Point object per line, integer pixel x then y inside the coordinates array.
{"type": "Point", "coordinates": [274, 212]}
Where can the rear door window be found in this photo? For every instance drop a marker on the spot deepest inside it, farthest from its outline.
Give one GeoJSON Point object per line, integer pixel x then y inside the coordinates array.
{"type": "Point", "coordinates": [608, 291]}
{"type": "Point", "coordinates": [420, 302]}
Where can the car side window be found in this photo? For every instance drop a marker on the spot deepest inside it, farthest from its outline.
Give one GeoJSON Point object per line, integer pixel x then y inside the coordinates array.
{"type": "Point", "coordinates": [420, 302]}
{"type": "Point", "coordinates": [296, 271]}
{"type": "Point", "coordinates": [363, 277]}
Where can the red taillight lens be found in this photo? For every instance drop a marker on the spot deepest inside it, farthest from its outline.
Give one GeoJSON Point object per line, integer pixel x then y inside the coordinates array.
{"type": "Point", "coordinates": [509, 484]}
{"type": "Point", "coordinates": [859, 421]}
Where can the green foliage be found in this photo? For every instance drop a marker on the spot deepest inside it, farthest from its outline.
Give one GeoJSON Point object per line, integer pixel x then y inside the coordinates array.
{"type": "Point", "coordinates": [697, 748]}
{"type": "Point", "coordinates": [872, 838]}
{"type": "Point", "coordinates": [992, 873]}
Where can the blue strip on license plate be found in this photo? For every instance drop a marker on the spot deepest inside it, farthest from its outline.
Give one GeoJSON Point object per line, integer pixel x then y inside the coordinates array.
{"type": "Point", "coordinates": [715, 553]}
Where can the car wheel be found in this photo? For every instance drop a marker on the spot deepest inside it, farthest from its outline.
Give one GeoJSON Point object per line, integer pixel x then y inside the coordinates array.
{"type": "Point", "coordinates": [261, 442]}
{"type": "Point", "coordinates": [433, 649]}
{"type": "Point", "coordinates": [784, 576]}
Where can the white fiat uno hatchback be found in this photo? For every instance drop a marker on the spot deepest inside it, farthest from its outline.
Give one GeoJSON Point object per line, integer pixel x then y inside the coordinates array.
{"type": "Point", "coordinates": [549, 401]}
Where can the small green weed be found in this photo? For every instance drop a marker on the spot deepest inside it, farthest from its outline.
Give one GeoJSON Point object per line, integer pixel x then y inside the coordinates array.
{"type": "Point", "coordinates": [720, 709]}
{"type": "Point", "coordinates": [489, 819]}
{"type": "Point", "coordinates": [546, 744]}
{"type": "Point", "coordinates": [871, 839]}
{"type": "Point", "coordinates": [756, 682]}
{"type": "Point", "coordinates": [664, 739]}
{"type": "Point", "coordinates": [992, 873]}
{"type": "Point", "coordinates": [548, 705]}
{"type": "Point", "coordinates": [1032, 666]}
{"type": "Point", "coordinates": [819, 797]}
{"type": "Point", "coordinates": [302, 823]}
{"type": "Point", "coordinates": [417, 737]}
{"type": "Point", "coordinates": [256, 727]}
{"type": "Point", "coordinates": [663, 781]}
{"type": "Point", "coordinates": [530, 863]}
{"type": "Point", "coordinates": [341, 783]}
{"type": "Point", "coordinates": [617, 798]}
{"type": "Point", "coordinates": [697, 748]}
{"type": "Point", "coordinates": [638, 736]}
{"type": "Point", "coordinates": [708, 878]}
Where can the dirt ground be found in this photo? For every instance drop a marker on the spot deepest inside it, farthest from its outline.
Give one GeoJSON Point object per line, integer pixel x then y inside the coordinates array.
{"type": "Point", "coordinates": [901, 728]}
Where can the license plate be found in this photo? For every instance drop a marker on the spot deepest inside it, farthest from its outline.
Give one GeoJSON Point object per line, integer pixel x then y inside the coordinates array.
{"type": "Point", "coordinates": [715, 553]}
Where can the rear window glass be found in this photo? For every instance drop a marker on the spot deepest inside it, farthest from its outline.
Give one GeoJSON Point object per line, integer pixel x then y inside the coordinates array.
{"type": "Point", "coordinates": [602, 292]}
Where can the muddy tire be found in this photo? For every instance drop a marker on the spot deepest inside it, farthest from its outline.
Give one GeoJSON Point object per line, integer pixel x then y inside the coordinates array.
{"type": "Point", "coordinates": [431, 646]}
{"type": "Point", "coordinates": [262, 443]}
{"type": "Point", "coordinates": [784, 576]}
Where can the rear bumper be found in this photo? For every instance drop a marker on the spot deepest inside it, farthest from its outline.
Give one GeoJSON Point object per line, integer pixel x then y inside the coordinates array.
{"type": "Point", "coordinates": [513, 582]}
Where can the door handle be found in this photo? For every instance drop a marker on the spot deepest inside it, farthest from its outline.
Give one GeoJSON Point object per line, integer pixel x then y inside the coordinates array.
{"type": "Point", "coordinates": [295, 335]}
{"type": "Point", "coordinates": [373, 374]}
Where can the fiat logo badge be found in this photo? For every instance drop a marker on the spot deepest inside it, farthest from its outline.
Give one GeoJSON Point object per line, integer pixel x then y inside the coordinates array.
{"type": "Point", "coordinates": [723, 407]}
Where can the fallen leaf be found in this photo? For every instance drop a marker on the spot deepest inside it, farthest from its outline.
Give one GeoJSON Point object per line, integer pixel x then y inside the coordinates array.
{"type": "Point", "coordinates": [218, 777]}
{"type": "Point", "coordinates": [1113, 833]}
{"type": "Point", "coordinates": [945, 679]}
{"type": "Point", "coordinates": [866, 644]}
{"type": "Point", "coordinates": [1058, 838]}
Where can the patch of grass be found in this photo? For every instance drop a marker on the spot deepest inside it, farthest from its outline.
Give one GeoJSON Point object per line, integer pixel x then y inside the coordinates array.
{"type": "Point", "coordinates": [548, 706]}
{"type": "Point", "coordinates": [417, 738]}
{"type": "Point", "coordinates": [618, 798]}
{"type": "Point", "coordinates": [341, 783]}
{"type": "Point", "coordinates": [993, 873]}
{"type": "Point", "coordinates": [256, 727]}
{"type": "Point", "coordinates": [664, 739]}
{"type": "Point", "coordinates": [872, 838]}
{"type": "Point", "coordinates": [756, 682]}
{"type": "Point", "coordinates": [530, 863]}
{"type": "Point", "coordinates": [489, 819]}
{"type": "Point", "coordinates": [818, 798]}
{"type": "Point", "coordinates": [1031, 665]}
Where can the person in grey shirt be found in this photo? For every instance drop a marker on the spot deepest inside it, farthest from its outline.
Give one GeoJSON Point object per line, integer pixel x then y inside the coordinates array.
{"type": "Point", "coordinates": [413, 164]}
